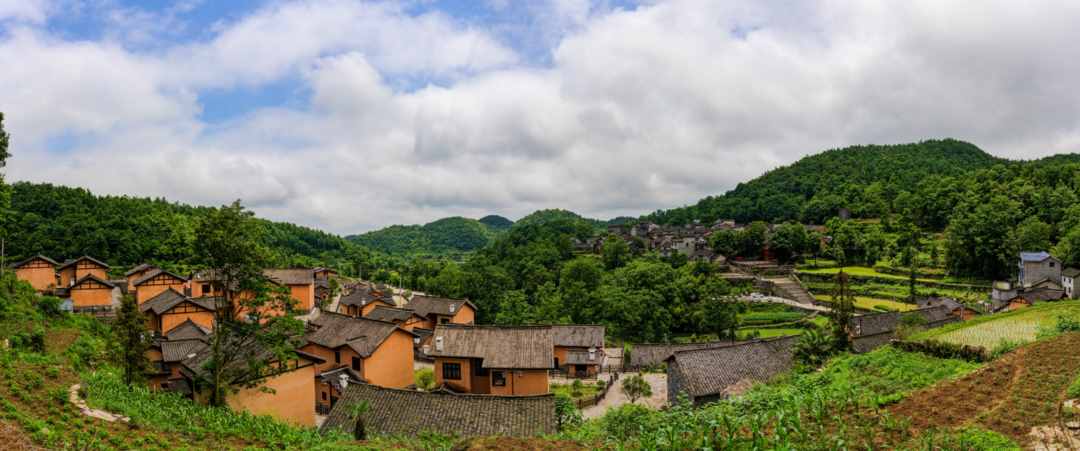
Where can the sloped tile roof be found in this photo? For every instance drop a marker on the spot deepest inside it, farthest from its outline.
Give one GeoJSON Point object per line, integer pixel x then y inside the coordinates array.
{"type": "Point", "coordinates": [170, 298]}
{"type": "Point", "coordinates": [36, 257]}
{"type": "Point", "coordinates": [302, 276]}
{"type": "Point", "coordinates": [408, 413]}
{"type": "Point", "coordinates": [706, 372]}
{"type": "Point", "coordinates": [84, 257]}
{"type": "Point", "coordinates": [157, 272]}
{"type": "Point", "coordinates": [392, 314]}
{"type": "Point", "coordinates": [427, 305]}
{"type": "Point", "coordinates": [95, 279]}
{"type": "Point", "coordinates": [173, 351]}
{"type": "Point", "coordinates": [363, 335]}
{"type": "Point", "coordinates": [517, 347]}
{"type": "Point", "coordinates": [874, 323]}
{"type": "Point", "coordinates": [650, 354]}
{"type": "Point", "coordinates": [140, 268]}
{"type": "Point", "coordinates": [578, 335]}
{"type": "Point", "coordinates": [582, 358]}
{"type": "Point", "coordinates": [1071, 272]}
{"type": "Point", "coordinates": [187, 330]}
{"type": "Point", "coordinates": [1034, 256]}
{"type": "Point", "coordinates": [364, 295]}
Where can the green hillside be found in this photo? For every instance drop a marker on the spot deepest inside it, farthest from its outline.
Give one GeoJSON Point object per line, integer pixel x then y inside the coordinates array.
{"type": "Point", "coordinates": [859, 178]}
{"type": "Point", "coordinates": [496, 222]}
{"type": "Point", "coordinates": [64, 222]}
{"type": "Point", "coordinates": [445, 236]}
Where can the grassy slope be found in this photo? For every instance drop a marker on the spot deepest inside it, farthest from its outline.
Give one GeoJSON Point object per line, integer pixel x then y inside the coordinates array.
{"type": "Point", "coordinates": [1019, 326]}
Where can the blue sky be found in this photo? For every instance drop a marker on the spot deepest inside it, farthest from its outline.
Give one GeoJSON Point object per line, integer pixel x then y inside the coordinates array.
{"type": "Point", "coordinates": [350, 115]}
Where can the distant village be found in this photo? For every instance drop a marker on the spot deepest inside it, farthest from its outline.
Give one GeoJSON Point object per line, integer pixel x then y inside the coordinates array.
{"type": "Point", "coordinates": [364, 341]}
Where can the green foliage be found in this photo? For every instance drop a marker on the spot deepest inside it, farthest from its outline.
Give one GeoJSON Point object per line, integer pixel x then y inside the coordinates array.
{"type": "Point", "coordinates": [131, 334]}
{"type": "Point", "coordinates": [88, 351]}
{"type": "Point", "coordinates": [1004, 347]}
{"type": "Point", "coordinates": [105, 389]}
{"type": "Point", "coordinates": [496, 222]}
{"type": "Point", "coordinates": [446, 236]}
{"type": "Point", "coordinates": [566, 412]}
{"type": "Point", "coordinates": [635, 387]}
{"type": "Point", "coordinates": [967, 438]}
{"type": "Point", "coordinates": [424, 378]}
{"type": "Point", "coordinates": [615, 252]}
{"type": "Point", "coordinates": [835, 408]}
{"type": "Point", "coordinates": [1073, 392]}
{"type": "Point", "coordinates": [813, 348]}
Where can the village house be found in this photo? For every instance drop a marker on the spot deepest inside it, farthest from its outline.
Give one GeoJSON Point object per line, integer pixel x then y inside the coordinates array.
{"type": "Point", "coordinates": [301, 284]}
{"type": "Point", "coordinates": [500, 360]}
{"type": "Point", "coordinates": [137, 273]}
{"type": "Point", "coordinates": [579, 349]}
{"type": "Point", "coordinates": [92, 293]}
{"type": "Point", "coordinates": [954, 307]}
{"type": "Point", "coordinates": [286, 392]}
{"type": "Point", "coordinates": [408, 413]}
{"type": "Point", "coordinates": [157, 281]}
{"type": "Point", "coordinates": [868, 332]}
{"type": "Point", "coordinates": [72, 270]}
{"type": "Point", "coordinates": [168, 352]}
{"type": "Point", "coordinates": [1027, 297]}
{"type": "Point", "coordinates": [171, 308]}
{"type": "Point", "coordinates": [362, 300]}
{"type": "Point", "coordinates": [39, 271]}
{"type": "Point", "coordinates": [375, 352]}
{"type": "Point", "coordinates": [711, 374]}
{"type": "Point", "coordinates": [644, 356]}
{"type": "Point", "coordinates": [404, 318]}
{"type": "Point", "coordinates": [1038, 267]}
{"type": "Point", "coordinates": [1068, 281]}
{"type": "Point", "coordinates": [437, 310]}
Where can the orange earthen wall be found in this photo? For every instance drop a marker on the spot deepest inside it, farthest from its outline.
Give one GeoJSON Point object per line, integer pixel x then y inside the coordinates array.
{"type": "Point", "coordinates": [96, 271]}
{"type": "Point", "coordinates": [170, 320]}
{"type": "Point", "coordinates": [293, 400]}
{"type": "Point", "coordinates": [66, 276]}
{"type": "Point", "coordinates": [465, 384]}
{"type": "Point", "coordinates": [39, 278]}
{"type": "Point", "coordinates": [146, 291]}
{"type": "Point", "coordinates": [391, 365]}
{"type": "Point", "coordinates": [91, 297]}
{"type": "Point", "coordinates": [522, 382]}
{"type": "Point", "coordinates": [464, 316]}
{"type": "Point", "coordinates": [328, 355]}
{"type": "Point", "coordinates": [303, 295]}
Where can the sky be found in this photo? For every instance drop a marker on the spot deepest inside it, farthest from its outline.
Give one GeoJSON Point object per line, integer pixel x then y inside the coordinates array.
{"type": "Point", "coordinates": [351, 115]}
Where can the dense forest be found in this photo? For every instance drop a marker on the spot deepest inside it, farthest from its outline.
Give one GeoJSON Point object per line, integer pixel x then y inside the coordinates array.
{"type": "Point", "coordinates": [446, 236]}
{"type": "Point", "coordinates": [64, 222]}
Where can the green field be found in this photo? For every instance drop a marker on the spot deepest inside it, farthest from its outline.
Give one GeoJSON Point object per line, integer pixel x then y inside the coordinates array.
{"type": "Point", "coordinates": [867, 303]}
{"type": "Point", "coordinates": [1019, 326]}
{"type": "Point", "coordinates": [864, 271]}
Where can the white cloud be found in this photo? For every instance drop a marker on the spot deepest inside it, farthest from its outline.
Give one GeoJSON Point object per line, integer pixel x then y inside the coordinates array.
{"type": "Point", "coordinates": [639, 109]}
{"type": "Point", "coordinates": [33, 11]}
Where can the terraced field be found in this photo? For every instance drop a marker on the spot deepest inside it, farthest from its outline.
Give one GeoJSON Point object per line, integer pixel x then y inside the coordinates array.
{"type": "Point", "coordinates": [1016, 395]}
{"type": "Point", "coordinates": [868, 303]}
{"type": "Point", "coordinates": [990, 330]}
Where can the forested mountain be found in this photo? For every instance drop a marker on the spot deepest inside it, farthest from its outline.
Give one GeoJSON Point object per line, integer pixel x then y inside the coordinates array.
{"type": "Point", "coordinates": [862, 179]}
{"type": "Point", "coordinates": [496, 222]}
{"type": "Point", "coordinates": [446, 236]}
{"type": "Point", "coordinates": [64, 222]}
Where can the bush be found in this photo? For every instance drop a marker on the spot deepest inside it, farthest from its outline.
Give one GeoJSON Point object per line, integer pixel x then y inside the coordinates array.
{"type": "Point", "coordinates": [86, 352]}
{"type": "Point", "coordinates": [33, 341]}
{"type": "Point", "coordinates": [566, 412]}
{"type": "Point", "coordinates": [1004, 347]}
{"type": "Point", "coordinates": [626, 421]}
{"type": "Point", "coordinates": [1067, 324]}
{"type": "Point", "coordinates": [425, 379]}
{"type": "Point", "coordinates": [945, 350]}
{"type": "Point", "coordinates": [576, 388]}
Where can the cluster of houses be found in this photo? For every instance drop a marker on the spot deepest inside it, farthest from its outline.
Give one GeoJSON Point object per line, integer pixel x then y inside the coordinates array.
{"type": "Point", "coordinates": [362, 344]}
{"type": "Point", "coordinates": [1040, 278]}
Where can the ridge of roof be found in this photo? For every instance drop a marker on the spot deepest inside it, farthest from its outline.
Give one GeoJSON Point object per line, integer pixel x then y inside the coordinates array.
{"type": "Point", "coordinates": [79, 259]}
{"type": "Point", "coordinates": [94, 278]}
{"type": "Point", "coordinates": [32, 258]}
{"type": "Point", "coordinates": [157, 272]}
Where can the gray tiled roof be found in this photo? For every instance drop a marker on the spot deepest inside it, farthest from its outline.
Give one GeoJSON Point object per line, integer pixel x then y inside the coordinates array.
{"type": "Point", "coordinates": [187, 330]}
{"type": "Point", "coordinates": [363, 335]}
{"type": "Point", "coordinates": [1034, 256]}
{"type": "Point", "coordinates": [429, 305]}
{"type": "Point", "coordinates": [392, 314]}
{"type": "Point", "coordinates": [364, 295]}
{"type": "Point", "coordinates": [582, 357]}
{"type": "Point", "coordinates": [36, 257]}
{"type": "Point", "coordinates": [157, 272]}
{"type": "Point", "coordinates": [1070, 272]}
{"type": "Point", "coordinates": [170, 298]}
{"type": "Point", "coordinates": [139, 268]}
{"type": "Point", "coordinates": [408, 413]}
{"type": "Point", "coordinates": [95, 279]}
{"type": "Point", "coordinates": [706, 372]}
{"type": "Point", "coordinates": [650, 354]}
{"type": "Point", "coordinates": [578, 335]}
{"type": "Point", "coordinates": [84, 257]}
{"type": "Point", "coordinates": [519, 347]}
{"type": "Point", "coordinates": [300, 276]}
{"type": "Point", "coordinates": [177, 350]}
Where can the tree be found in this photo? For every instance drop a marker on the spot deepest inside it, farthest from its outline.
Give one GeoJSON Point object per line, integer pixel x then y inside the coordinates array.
{"type": "Point", "coordinates": [1068, 249]}
{"type": "Point", "coordinates": [813, 348]}
{"type": "Point", "coordinates": [843, 309]}
{"type": "Point", "coordinates": [725, 242]}
{"type": "Point", "coordinates": [130, 329]}
{"type": "Point", "coordinates": [253, 324]}
{"type": "Point", "coordinates": [635, 387]}
{"type": "Point", "coordinates": [721, 309]}
{"type": "Point", "coordinates": [753, 239]}
{"type": "Point", "coordinates": [911, 243]}
{"type": "Point", "coordinates": [1032, 235]}
{"type": "Point", "coordinates": [615, 252]}
{"type": "Point", "coordinates": [788, 241]}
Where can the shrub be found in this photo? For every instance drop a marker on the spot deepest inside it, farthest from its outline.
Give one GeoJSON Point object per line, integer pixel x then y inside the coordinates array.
{"type": "Point", "coordinates": [1074, 389]}
{"type": "Point", "coordinates": [576, 388]}
{"type": "Point", "coordinates": [425, 379]}
{"type": "Point", "coordinates": [813, 348]}
{"type": "Point", "coordinates": [945, 350]}
{"type": "Point", "coordinates": [566, 412]}
{"type": "Point", "coordinates": [635, 387]}
{"type": "Point", "coordinates": [1004, 347]}
{"type": "Point", "coordinates": [626, 421]}
{"type": "Point", "coordinates": [86, 352]}
{"type": "Point", "coordinates": [1067, 324]}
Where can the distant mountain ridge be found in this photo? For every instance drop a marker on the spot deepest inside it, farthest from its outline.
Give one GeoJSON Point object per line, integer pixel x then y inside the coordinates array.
{"type": "Point", "coordinates": [446, 236]}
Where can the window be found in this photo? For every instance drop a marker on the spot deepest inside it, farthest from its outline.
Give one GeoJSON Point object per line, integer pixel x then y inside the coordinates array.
{"type": "Point", "coordinates": [479, 370]}
{"type": "Point", "coordinates": [1051, 264]}
{"type": "Point", "coordinates": [324, 396]}
{"type": "Point", "coordinates": [451, 371]}
{"type": "Point", "coordinates": [498, 378]}
{"type": "Point", "coordinates": [443, 320]}
{"type": "Point", "coordinates": [337, 356]}
{"type": "Point", "coordinates": [356, 363]}
{"type": "Point", "coordinates": [206, 288]}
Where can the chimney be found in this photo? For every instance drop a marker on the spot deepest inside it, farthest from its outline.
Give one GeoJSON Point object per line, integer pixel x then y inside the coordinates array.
{"type": "Point", "coordinates": [452, 306]}
{"type": "Point", "coordinates": [592, 354]}
{"type": "Point", "coordinates": [426, 349]}
{"type": "Point", "coordinates": [439, 343]}
{"type": "Point", "coordinates": [416, 340]}
{"type": "Point", "coordinates": [344, 381]}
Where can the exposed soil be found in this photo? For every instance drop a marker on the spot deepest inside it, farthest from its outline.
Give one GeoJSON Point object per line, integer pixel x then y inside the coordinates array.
{"type": "Point", "coordinates": [13, 438]}
{"type": "Point", "coordinates": [1013, 395]}
{"type": "Point", "coordinates": [516, 444]}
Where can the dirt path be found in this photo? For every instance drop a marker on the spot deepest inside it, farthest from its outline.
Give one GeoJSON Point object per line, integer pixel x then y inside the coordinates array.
{"type": "Point", "coordinates": [615, 396]}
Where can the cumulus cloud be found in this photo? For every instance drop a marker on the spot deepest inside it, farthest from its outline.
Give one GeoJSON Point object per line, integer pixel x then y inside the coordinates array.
{"type": "Point", "coordinates": [636, 109]}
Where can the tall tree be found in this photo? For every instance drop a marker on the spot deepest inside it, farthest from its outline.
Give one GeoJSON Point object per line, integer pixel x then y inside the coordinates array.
{"type": "Point", "coordinates": [721, 309]}
{"type": "Point", "coordinates": [130, 329]}
{"type": "Point", "coordinates": [253, 325]}
{"type": "Point", "coordinates": [843, 309]}
{"type": "Point", "coordinates": [615, 252]}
